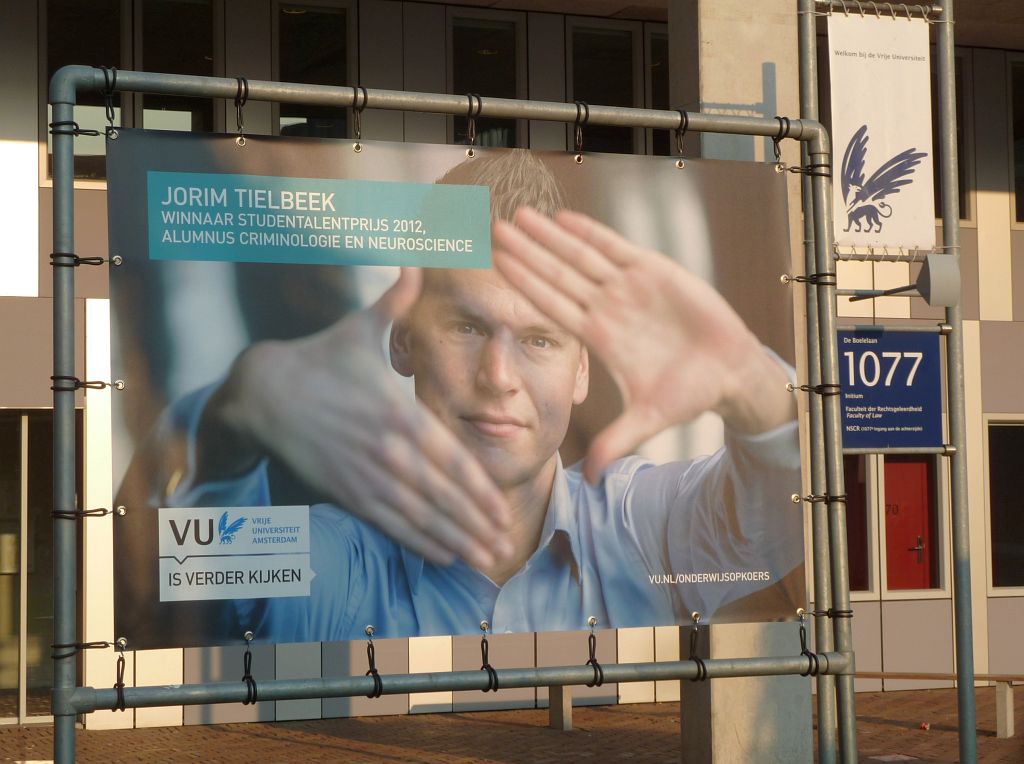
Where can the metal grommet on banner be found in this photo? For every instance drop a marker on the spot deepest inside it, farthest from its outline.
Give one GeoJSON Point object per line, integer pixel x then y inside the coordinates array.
{"type": "Point", "coordinates": [598, 679]}
{"type": "Point", "coordinates": [120, 645]}
{"type": "Point", "coordinates": [240, 99]}
{"type": "Point", "coordinates": [109, 83]}
{"type": "Point", "coordinates": [702, 669]}
{"type": "Point", "coordinates": [582, 117]}
{"type": "Point", "coordinates": [476, 105]}
{"type": "Point", "coordinates": [684, 125]}
{"type": "Point", "coordinates": [357, 115]}
{"type": "Point", "coordinates": [251, 695]}
{"type": "Point", "coordinates": [371, 659]}
{"type": "Point", "coordinates": [492, 674]}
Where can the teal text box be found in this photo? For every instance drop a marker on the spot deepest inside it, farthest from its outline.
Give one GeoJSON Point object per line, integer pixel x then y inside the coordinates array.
{"type": "Point", "coordinates": [317, 221]}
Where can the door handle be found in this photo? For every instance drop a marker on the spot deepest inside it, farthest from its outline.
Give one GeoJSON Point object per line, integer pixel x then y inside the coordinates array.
{"type": "Point", "coordinates": [919, 549]}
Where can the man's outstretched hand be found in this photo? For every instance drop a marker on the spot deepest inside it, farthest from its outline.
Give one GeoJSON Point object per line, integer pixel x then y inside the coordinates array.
{"type": "Point", "coordinates": [330, 408]}
{"type": "Point", "coordinates": [673, 344]}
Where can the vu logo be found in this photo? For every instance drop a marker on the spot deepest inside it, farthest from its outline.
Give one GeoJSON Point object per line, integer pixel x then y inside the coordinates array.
{"type": "Point", "coordinates": [202, 531]}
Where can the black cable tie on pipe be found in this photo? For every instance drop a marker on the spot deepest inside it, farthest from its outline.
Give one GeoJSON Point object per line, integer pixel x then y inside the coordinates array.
{"type": "Point", "coordinates": [357, 110]}
{"type": "Point", "coordinates": [832, 613]}
{"type": "Point", "coordinates": [75, 648]}
{"type": "Point", "coordinates": [492, 675]}
{"type": "Point", "coordinates": [476, 105]}
{"type": "Point", "coordinates": [825, 389]}
{"type": "Point", "coordinates": [813, 667]}
{"type": "Point", "coordinates": [251, 693]}
{"type": "Point", "coordinates": [77, 514]}
{"type": "Point", "coordinates": [598, 671]}
{"type": "Point", "coordinates": [684, 125]}
{"type": "Point", "coordinates": [817, 279]}
{"type": "Point", "coordinates": [78, 384]}
{"type": "Point", "coordinates": [821, 170]}
{"type": "Point", "coordinates": [818, 498]}
{"type": "Point", "coordinates": [69, 127]}
{"type": "Point", "coordinates": [120, 704]}
{"type": "Point", "coordinates": [582, 117]}
{"type": "Point", "coordinates": [702, 669]}
{"type": "Point", "coordinates": [109, 84]}
{"type": "Point", "coordinates": [378, 684]}
{"type": "Point", "coordinates": [241, 97]}
{"type": "Point", "coordinates": [783, 133]}
{"type": "Point", "coordinates": [71, 260]}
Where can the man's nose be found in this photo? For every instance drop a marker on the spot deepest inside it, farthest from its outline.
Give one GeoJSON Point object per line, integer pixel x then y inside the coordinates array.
{"type": "Point", "coordinates": [497, 372]}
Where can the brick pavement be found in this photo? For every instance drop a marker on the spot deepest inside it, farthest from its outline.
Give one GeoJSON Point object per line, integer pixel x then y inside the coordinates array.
{"type": "Point", "coordinates": [888, 729]}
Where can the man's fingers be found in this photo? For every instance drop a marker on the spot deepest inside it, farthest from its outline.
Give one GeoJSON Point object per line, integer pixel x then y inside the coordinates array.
{"type": "Point", "coordinates": [548, 298]}
{"type": "Point", "coordinates": [568, 245]}
{"type": "Point", "coordinates": [396, 302]}
{"type": "Point", "coordinates": [599, 236]}
{"type": "Point", "coordinates": [618, 439]}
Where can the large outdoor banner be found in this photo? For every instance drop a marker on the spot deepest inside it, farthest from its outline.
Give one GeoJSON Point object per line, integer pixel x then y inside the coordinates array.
{"type": "Point", "coordinates": [883, 193]}
{"type": "Point", "coordinates": [569, 401]}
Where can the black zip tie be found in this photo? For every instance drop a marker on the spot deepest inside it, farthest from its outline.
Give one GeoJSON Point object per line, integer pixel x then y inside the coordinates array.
{"type": "Point", "coordinates": [813, 667]}
{"type": "Point", "coordinates": [120, 704]}
{"type": "Point", "coordinates": [60, 260]}
{"type": "Point", "coordinates": [75, 648]}
{"type": "Point", "coordinates": [825, 389]}
{"type": "Point", "coordinates": [357, 110]}
{"type": "Point", "coordinates": [109, 83]}
{"type": "Point", "coordinates": [817, 279]}
{"type": "Point", "coordinates": [241, 97]}
{"type": "Point", "coordinates": [378, 683]}
{"type": "Point", "coordinates": [582, 117]}
{"type": "Point", "coordinates": [818, 498]}
{"type": "Point", "coordinates": [821, 170]}
{"type": "Point", "coordinates": [831, 613]}
{"type": "Point", "coordinates": [684, 125]}
{"type": "Point", "coordinates": [251, 693]}
{"type": "Point", "coordinates": [77, 384]}
{"type": "Point", "coordinates": [783, 133]}
{"type": "Point", "coordinates": [702, 669]}
{"type": "Point", "coordinates": [69, 127]}
{"type": "Point", "coordinates": [476, 105]}
{"type": "Point", "coordinates": [598, 671]}
{"type": "Point", "coordinates": [64, 514]}
{"type": "Point", "coordinates": [492, 675]}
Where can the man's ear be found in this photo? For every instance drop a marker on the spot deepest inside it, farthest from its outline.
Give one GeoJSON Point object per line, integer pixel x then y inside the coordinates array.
{"type": "Point", "coordinates": [400, 347]}
{"type": "Point", "coordinates": [582, 378]}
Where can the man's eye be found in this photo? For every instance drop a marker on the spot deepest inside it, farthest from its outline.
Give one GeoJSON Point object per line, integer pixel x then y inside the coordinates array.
{"type": "Point", "coordinates": [464, 328]}
{"type": "Point", "coordinates": [539, 342]}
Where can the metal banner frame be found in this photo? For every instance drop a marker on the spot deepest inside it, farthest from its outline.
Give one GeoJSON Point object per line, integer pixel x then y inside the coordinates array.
{"type": "Point", "coordinates": [832, 660]}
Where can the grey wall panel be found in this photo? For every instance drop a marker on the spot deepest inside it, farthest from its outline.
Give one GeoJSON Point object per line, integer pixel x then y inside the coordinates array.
{"type": "Point", "coordinates": [298, 661]}
{"type": "Point", "coordinates": [424, 67]}
{"type": "Point", "coordinates": [1017, 259]}
{"type": "Point", "coordinates": [90, 241]}
{"type": "Point", "coordinates": [349, 659]}
{"type": "Point", "coordinates": [248, 43]}
{"type": "Point", "coordinates": [504, 651]}
{"type": "Point", "coordinates": [1002, 366]}
{"type": "Point", "coordinates": [1005, 616]}
{"type": "Point", "coordinates": [569, 648]}
{"type": "Point", "coordinates": [381, 63]}
{"type": "Point", "coordinates": [867, 643]}
{"type": "Point", "coordinates": [224, 664]}
{"type": "Point", "coordinates": [917, 635]}
{"type": "Point", "coordinates": [545, 40]}
{"type": "Point", "coordinates": [26, 347]}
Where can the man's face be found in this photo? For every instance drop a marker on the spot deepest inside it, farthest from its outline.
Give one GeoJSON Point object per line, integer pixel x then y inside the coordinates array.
{"type": "Point", "coordinates": [497, 372]}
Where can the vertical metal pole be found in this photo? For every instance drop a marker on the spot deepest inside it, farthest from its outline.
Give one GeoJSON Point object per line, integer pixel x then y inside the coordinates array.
{"type": "Point", "coordinates": [65, 564]}
{"type": "Point", "coordinates": [826, 699]}
{"type": "Point", "coordinates": [955, 390]}
{"type": "Point", "coordinates": [842, 628]}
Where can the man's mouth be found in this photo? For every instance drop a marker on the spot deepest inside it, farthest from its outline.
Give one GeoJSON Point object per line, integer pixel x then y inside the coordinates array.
{"type": "Point", "coordinates": [495, 425]}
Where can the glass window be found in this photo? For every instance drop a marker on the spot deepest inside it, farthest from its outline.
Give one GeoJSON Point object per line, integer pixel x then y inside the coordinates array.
{"type": "Point", "coordinates": [312, 45]}
{"type": "Point", "coordinates": [602, 73]}
{"type": "Point", "coordinates": [177, 37]}
{"type": "Point", "coordinates": [1005, 492]}
{"type": "Point", "coordinates": [857, 541]}
{"type": "Point", "coordinates": [911, 523]}
{"type": "Point", "coordinates": [960, 148]}
{"type": "Point", "coordinates": [1018, 138]}
{"type": "Point", "coordinates": [658, 72]}
{"type": "Point", "coordinates": [484, 62]}
{"type": "Point", "coordinates": [84, 32]}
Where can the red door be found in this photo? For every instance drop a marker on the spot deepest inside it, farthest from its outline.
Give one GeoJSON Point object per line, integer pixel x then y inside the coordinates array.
{"type": "Point", "coordinates": [910, 522]}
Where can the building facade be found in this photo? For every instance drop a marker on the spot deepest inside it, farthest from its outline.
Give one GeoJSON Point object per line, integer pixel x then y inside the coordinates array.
{"type": "Point", "coordinates": [727, 56]}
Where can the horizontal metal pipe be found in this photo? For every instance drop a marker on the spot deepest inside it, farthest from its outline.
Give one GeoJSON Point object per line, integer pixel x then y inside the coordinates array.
{"type": "Point", "coordinates": [87, 699]}
{"type": "Point", "coordinates": [71, 79]}
{"type": "Point", "coordinates": [910, 329]}
{"type": "Point", "coordinates": [896, 10]}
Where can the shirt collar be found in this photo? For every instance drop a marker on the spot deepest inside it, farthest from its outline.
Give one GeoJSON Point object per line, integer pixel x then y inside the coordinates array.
{"type": "Point", "coordinates": [560, 521]}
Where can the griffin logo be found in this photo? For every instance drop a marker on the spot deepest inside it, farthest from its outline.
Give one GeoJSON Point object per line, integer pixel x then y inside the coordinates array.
{"type": "Point", "coordinates": [865, 209]}
{"type": "Point", "coordinates": [227, 532]}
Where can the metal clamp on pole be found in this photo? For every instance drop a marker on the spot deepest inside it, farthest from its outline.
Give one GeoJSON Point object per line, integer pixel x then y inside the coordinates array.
{"type": "Point", "coordinates": [378, 684]}
{"type": "Point", "coordinates": [251, 694]}
{"type": "Point", "coordinates": [702, 669]}
{"type": "Point", "coordinates": [592, 646]}
{"type": "Point", "coordinates": [492, 675]}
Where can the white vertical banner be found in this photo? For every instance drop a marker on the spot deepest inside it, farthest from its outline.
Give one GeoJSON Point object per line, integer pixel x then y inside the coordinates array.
{"type": "Point", "coordinates": [883, 194]}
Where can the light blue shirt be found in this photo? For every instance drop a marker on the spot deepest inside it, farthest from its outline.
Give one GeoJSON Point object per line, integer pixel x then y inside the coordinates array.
{"type": "Point", "coordinates": [647, 545]}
